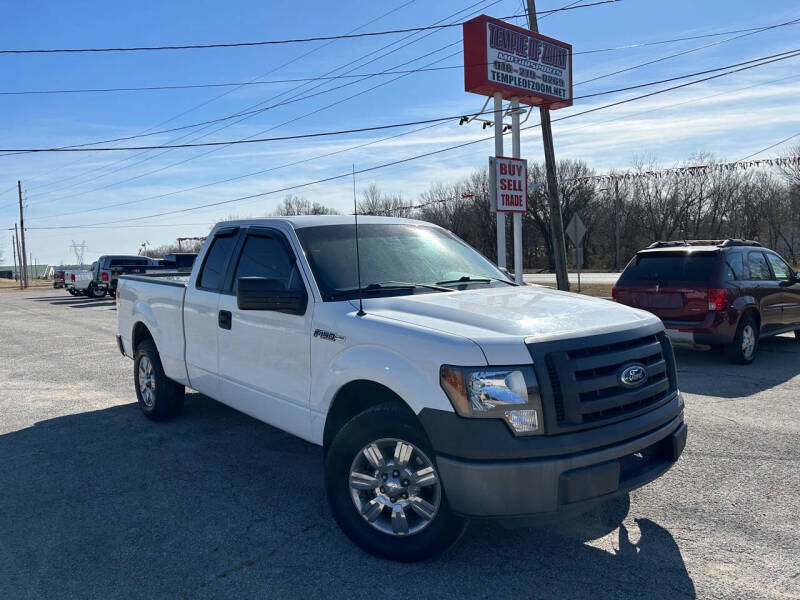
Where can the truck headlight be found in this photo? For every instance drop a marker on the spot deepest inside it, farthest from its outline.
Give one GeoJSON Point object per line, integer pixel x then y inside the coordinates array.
{"type": "Point", "coordinates": [507, 393]}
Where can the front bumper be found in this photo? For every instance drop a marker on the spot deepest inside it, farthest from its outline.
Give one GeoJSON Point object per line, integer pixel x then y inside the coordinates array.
{"type": "Point", "coordinates": [552, 483]}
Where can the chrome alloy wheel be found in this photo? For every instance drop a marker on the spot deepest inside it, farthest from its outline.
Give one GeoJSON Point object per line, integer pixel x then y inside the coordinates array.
{"type": "Point", "coordinates": [147, 382]}
{"type": "Point", "coordinates": [748, 341]}
{"type": "Point", "coordinates": [395, 487]}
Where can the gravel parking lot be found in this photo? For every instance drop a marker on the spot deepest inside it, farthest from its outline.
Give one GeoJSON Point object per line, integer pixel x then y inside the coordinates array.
{"type": "Point", "coordinates": [98, 502]}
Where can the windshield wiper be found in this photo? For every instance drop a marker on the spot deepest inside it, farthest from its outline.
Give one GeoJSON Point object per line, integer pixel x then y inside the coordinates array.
{"type": "Point", "coordinates": [391, 286]}
{"type": "Point", "coordinates": [470, 279]}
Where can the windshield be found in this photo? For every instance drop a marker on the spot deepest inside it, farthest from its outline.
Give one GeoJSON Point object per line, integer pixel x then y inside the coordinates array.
{"type": "Point", "coordinates": [671, 266]}
{"type": "Point", "coordinates": [393, 255]}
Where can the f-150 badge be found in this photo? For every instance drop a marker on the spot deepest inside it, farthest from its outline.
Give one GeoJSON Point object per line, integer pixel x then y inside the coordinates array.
{"type": "Point", "coordinates": [327, 335]}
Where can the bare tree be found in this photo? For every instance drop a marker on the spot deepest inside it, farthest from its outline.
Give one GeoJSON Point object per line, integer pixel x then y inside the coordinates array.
{"type": "Point", "coordinates": [297, 205]}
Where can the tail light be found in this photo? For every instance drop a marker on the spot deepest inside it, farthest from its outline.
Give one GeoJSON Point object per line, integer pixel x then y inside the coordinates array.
{"type": "Point", "coordinates": [105, 276]}
{"type": "Point", "coordinates": [717, 298]}
{"type": "Point", "coordinates": [72, 277]}
{"type": "Point", "coordinates": [614, 293]}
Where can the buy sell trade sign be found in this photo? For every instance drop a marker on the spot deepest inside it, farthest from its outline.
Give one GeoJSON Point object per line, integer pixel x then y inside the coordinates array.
{"type": "Point", "coordinates": [500, 57]}
{"type": "Point", "coordinates": [511, 183]}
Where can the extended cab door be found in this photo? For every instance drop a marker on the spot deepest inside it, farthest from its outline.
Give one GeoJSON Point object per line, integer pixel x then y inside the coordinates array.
{"type": "Point", "coordinates": [201, 318]}
{"type": "Point", "coordinates": [264, 358]}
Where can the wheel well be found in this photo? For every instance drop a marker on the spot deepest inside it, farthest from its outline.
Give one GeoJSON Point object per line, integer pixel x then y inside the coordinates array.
{"type": "Point", "coordinates": [354, 398]}
{"type": "Point", "coordinates": [140, 333]}
{"type": "Point", "coordinates": [753, 313]}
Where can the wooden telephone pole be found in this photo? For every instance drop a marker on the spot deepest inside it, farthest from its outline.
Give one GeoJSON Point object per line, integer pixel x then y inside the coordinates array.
{"type": "Point", "coordinates": [23, 261]}
{"type": "Point", "coordinates": [20, 276]}
{"type": "Point", "coordinates": [556, 221]}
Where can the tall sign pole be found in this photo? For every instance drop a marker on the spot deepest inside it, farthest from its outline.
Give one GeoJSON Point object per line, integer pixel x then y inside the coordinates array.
{"type": "Point", "coordinates": [556, 220]}
{"type": "Point", "coordinates": [23, 260]}
{"type": "Point", "coordinates": [515, 153]}
{"type": "Point", "coordinates": [498, 151]}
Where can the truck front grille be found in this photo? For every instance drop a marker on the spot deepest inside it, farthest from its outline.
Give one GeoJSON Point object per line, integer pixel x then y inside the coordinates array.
{"type": "Point", "coordinates": [580, 378]}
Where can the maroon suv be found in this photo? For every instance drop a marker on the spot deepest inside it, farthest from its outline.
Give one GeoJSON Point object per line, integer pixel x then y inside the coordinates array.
{"type": "Point", "coordinates": [714, 293]}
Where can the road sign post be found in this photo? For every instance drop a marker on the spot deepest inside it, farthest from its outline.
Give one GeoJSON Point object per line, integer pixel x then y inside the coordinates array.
{"type": "Point", "coordinates": [576, 230]}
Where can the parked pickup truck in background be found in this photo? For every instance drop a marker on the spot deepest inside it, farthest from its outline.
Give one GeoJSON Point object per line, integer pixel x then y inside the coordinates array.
{"type": "Point", "coordinates": [454, 393]}
{"type": "Point", "coordinates": [107, 270]}
{"type": "Point", "coordinates": [77, 282]}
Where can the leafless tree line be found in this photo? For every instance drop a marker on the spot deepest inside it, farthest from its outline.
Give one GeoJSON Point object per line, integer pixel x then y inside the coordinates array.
{"type": "Point", "coordinates": [759, 204]}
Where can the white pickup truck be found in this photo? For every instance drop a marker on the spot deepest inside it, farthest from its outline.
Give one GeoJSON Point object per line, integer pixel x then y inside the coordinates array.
{"type": "Point", "coordinates": [453, 394]}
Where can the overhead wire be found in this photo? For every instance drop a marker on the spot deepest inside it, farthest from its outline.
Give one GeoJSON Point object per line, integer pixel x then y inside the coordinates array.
{"type": "Point", "coordinates": [274, 42]}
{"type": "Point", "coordinates": [411, 158]}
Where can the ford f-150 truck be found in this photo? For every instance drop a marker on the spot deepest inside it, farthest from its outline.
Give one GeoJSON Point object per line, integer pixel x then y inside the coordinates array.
{"type": "Point", "coordinates": [450, 393]}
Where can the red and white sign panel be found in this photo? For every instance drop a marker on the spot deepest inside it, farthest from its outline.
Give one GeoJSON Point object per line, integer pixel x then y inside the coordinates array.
{"type": "Point", "coordinates": [511, 183]}
{"type": "Point", "coordinates": [500, 57]}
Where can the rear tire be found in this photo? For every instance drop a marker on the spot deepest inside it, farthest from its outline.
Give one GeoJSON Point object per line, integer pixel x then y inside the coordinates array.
{"type": "Point", "coordinates": [160, 398]}
{"type": "Point", "coordinates": [91, 292]}
{"type": "Point", "coordinates": [742, 350]}
{"type": "Point", "coordinates": [410, 520]}
{"type": "Point", "coordinates": [72, 292]}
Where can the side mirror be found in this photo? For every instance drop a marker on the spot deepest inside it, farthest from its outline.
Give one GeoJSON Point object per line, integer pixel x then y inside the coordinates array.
{"type": "Point", "coordinates": [261, 293]}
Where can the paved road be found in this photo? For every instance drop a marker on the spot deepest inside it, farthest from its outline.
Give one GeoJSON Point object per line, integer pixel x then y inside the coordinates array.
{"type": "Point", "coordinates": [97, 502]}
{"type": "Point", "coordinates": [550, 278]}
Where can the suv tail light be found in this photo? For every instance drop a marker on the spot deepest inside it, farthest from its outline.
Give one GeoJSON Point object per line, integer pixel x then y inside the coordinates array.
{"type": "Point", "coordinates": [717, 298]}
{"type": "Point", "coordinates": [614, 293]}
{"type": "Point", "coordinates": [105, 276]}
{"type": "Point", "coordinates": [72, 277]}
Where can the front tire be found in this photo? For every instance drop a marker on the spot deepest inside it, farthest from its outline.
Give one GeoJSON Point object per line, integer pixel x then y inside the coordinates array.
{"type": "Point", "coordinates": [160, 398]}
{"type": "Point", "coordinates": [742, 350]}
{"type": "Point", "coordinates": [384, 488]}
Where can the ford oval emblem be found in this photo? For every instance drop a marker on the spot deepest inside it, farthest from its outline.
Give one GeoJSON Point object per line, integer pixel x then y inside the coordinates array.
{"type": "Point", "coordinates": [633, 375]}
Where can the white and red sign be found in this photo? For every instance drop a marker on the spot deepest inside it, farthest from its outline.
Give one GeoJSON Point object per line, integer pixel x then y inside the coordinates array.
{"type": "Point", "coordinates": [500, 57]}
{"type": "Point", "coordinates": [511, 183]}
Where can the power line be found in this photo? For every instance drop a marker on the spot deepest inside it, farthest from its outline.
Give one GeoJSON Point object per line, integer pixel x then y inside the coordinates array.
{"type": "Point", "coordinates": [784, 140]}
{"type": "Point", "coordinates": [378, 141]}
{"type": "Point", "coordinates": [275, 42]}
{"type": "Point", "coordinates": [786, 54]}
{"type": "Point", "coordinates": [403, 160]}
{"type": "Point", "coordinates": [193, 86]}
{"type": "Point", "coordinates": [227, 92]}
{"type": "Point", "coordinates": [248, 113]}
{"type": "Point", "coordinates": [370, 143]}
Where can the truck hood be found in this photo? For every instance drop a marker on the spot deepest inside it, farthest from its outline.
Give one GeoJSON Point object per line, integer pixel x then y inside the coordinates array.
{"type": "Point", "coordinates": [522, 312]}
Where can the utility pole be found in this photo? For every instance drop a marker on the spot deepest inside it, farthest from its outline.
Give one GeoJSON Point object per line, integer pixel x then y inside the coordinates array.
{"type": "Point", "coordinates": [22, 232]}
{"type": "Point", "coordinates": [616, 224]}
{"type": "Point", "coordinates": [14, 250]}
{"type": "Point", "coordinates": [20, 275]}
{"type": "Point", "coordinates": [556, 221]}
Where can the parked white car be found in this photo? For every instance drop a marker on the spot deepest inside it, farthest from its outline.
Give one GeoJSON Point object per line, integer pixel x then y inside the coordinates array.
{"type": "Point", "coordinates": [454, 393]}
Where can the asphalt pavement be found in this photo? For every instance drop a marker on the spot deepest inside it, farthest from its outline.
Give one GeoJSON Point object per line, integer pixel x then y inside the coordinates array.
{"type": "Point", "coordinates": [98, 502]}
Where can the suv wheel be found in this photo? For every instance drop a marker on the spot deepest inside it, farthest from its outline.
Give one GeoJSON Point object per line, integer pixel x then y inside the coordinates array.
{"type": "Point", "coordinates": [384, 489]}
{"type": "Point", "coordinates": [160, 398]}
{"type": "Point", "coordinates": [742, 350]}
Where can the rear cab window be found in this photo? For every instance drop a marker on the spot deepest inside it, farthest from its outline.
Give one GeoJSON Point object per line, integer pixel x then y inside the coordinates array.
{"type": "Point", "coordinates": [212, 275]}
{"type": "Point", "coordinates": [671, 266]}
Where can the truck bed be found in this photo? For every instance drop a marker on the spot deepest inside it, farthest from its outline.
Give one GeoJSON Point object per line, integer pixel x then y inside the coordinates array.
{"type": "Point", "coordinates": [172, 278]}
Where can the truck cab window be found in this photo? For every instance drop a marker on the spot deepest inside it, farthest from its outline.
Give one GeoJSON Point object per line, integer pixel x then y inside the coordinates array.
{"type": "Point", "coordinates": [213, 274]}
{"type": "Point", "coordinates": [264, 256]}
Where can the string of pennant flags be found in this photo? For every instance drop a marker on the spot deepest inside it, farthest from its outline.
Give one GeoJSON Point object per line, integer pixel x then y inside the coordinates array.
{"type": "Point", "coordinates": [692, 170]}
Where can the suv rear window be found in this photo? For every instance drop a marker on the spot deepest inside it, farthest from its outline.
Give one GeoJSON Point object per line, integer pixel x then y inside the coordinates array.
{"type": "Point", "coordinates": [671, 266]}
{"type": "Point", "coordinates": [135, 262]}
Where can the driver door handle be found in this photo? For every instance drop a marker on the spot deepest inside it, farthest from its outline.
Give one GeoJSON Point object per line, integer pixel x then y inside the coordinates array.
{"type": "Point", "coordinates": [224, 319]}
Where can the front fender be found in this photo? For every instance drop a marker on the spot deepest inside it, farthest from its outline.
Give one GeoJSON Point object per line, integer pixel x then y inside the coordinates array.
{"type": "Point", "coordinates": [414, 380]}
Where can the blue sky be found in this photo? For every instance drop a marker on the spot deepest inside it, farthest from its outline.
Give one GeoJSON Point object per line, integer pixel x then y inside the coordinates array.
{"type": "Point", "coordinates": [730, 117]}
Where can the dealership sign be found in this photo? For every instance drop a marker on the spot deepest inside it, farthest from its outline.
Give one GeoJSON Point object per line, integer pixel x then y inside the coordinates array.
{"type": "Point", "coordinates": [510, 179]}
{"type": "Point", "coordinates": [500, 57]}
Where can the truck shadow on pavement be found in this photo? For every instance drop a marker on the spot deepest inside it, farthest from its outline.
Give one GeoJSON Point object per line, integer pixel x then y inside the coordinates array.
{"type": "Point", "coordinates": [218, 505]}
{"type": "Point", "coordinates": [710, 374]}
